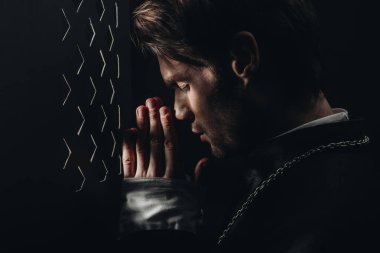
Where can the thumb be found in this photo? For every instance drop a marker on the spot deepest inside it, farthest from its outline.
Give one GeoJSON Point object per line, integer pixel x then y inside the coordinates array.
{"type": "Point", "coordinates": [199, 167]}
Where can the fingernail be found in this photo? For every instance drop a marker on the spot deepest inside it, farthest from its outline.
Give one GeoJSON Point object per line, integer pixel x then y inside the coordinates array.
{"type": "Point", "coordinates": [164, 111]}
{"type": "Point", "coordinates": [151, 103]}
{"type": "Point", "coordinates": [158, 100]}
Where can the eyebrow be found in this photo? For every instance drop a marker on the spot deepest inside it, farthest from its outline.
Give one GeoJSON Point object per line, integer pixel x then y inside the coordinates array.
{"type": "Point", "coordinates": [177, 77]}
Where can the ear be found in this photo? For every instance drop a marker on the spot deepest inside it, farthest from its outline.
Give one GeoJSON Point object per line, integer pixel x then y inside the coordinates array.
{"type": "Point", "coordinates": [245, 55]}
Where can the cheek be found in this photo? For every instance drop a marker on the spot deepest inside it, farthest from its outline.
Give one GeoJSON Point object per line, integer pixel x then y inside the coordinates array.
{"type": "Point", "coordinates": [204, 83]}
{"type": "Point", "coordinates": [198, 103]}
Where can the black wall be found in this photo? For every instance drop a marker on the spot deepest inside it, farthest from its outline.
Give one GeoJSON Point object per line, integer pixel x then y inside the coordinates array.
{"type": "Point", "coordinates": [60, 142]}
{"type": "Point", "coordinates": [41, 192]}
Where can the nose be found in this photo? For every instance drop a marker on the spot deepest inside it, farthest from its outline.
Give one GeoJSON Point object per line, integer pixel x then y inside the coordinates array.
{"type": "Point", "coordinates": [181, 107]}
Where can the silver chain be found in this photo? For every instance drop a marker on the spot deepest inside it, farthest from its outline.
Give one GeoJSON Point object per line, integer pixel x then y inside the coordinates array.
{"type": "Point", "coordinates": [282, 169]}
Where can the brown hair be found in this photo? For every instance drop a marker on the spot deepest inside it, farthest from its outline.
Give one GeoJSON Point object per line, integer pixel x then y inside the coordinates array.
{"type": "Point", "coordinates": [199, 32]}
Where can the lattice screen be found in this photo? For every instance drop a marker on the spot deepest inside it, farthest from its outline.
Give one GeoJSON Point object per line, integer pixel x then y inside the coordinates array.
{"type": "Point", "coordinates": [65, 98]}
{"type": "Point", "coordinates": [94, 89]}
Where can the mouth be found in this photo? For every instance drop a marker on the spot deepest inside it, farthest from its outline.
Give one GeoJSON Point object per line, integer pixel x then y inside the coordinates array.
{"type": "Point", "coordinates": [204, 138]}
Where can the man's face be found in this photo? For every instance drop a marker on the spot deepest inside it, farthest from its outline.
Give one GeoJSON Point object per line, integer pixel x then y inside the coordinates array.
{"type": "Point", "coordinates": [215, 115]}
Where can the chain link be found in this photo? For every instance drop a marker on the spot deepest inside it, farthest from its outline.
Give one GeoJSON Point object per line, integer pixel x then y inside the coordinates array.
{"type": "Point", "coordinates": [281, 170]}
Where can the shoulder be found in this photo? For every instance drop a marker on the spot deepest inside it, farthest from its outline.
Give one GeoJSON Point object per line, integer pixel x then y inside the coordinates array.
{"type": "Point", "coordinates": [324, 196]}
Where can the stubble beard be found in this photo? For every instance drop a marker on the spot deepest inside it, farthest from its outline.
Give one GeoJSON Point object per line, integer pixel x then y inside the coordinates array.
{"type": "Point", "coordinates": [227, 121]}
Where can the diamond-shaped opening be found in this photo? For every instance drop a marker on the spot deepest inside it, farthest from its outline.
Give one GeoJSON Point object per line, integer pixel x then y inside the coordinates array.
{"type": "Point", "coordinates": [89, 34]}
{"type": "Point", "coordinates": [79, 60]}
{"type": "Point", "coordinates": [65, 25]}
{"type": "Point", "coordinates": [66, 92]}
{"type": "Point", "coordinates": [77, 4]}
{"type": "Point", "coordinates": [109, 38]}
{"type": "Point", "coordinates": [100, 9]}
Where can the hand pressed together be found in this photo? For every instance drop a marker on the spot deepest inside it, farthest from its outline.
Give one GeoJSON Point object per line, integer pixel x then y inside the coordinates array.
{"type": "Point", "coordinates": [151, 149]}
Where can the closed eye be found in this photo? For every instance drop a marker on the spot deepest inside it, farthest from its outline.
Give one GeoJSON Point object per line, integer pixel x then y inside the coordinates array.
{"type": "Point", "coordinates": [183, 86]}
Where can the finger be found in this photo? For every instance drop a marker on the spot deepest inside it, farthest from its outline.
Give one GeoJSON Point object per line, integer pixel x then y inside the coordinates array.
{"type": "Point", "coordinates": [200, 167]}
{"type": "Point", "coordinates": [155, 167]}
{"type": "Point", "coordinates": [142, 145]}
{"type": "Point", "coordinates": [158, 102]}
{"type": "Point", "coordinates": [170, 141]}
{"type": "Point", "coordinates": [128, 156]}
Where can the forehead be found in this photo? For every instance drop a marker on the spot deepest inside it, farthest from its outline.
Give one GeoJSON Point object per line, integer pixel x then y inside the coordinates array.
{"type": "Point", "coordinates": [175, 71]}
{"type": "Point", "coordinates": [172, 69]}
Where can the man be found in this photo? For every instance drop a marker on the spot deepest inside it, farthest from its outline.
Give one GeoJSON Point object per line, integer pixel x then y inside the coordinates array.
{"type": "Point", "coordinates": [291, 173]}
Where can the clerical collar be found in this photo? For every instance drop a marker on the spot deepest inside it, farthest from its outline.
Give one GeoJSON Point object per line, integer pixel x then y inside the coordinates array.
{"type": "Point", "coordinates": [338, 115]}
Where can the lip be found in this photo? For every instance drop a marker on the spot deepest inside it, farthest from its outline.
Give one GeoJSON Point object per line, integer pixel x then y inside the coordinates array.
{"type": "Point", "coordinates": [204, 138]}
{"type": "Point", "coordinates": [195, 131]}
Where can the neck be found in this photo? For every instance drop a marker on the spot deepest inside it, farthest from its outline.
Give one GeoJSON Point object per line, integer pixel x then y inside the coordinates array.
{"type": "Point", "coordinates": [280, 118]}
{"type": "Point", "coordinates": [294, 116]}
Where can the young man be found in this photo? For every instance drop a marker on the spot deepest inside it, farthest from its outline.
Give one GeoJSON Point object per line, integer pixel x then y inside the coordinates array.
{"type": "Point", "coordinates": [295, 175]}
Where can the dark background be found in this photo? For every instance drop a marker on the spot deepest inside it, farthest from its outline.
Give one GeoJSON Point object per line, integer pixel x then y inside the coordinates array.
{"type": "Point", "coordinates": [42, 200]}
{"type": "Point", "coordinates": [44, 196]}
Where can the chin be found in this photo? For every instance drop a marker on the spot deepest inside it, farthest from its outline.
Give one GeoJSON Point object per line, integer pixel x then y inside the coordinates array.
{"type": "Point", "coordinates": [225, 150]}
{"type": "Point", "coordinates": [218, 152]}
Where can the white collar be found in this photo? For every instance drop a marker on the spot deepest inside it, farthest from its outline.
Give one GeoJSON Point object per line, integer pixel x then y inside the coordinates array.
{"type": "Point", "coordinates": [338, 115]}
